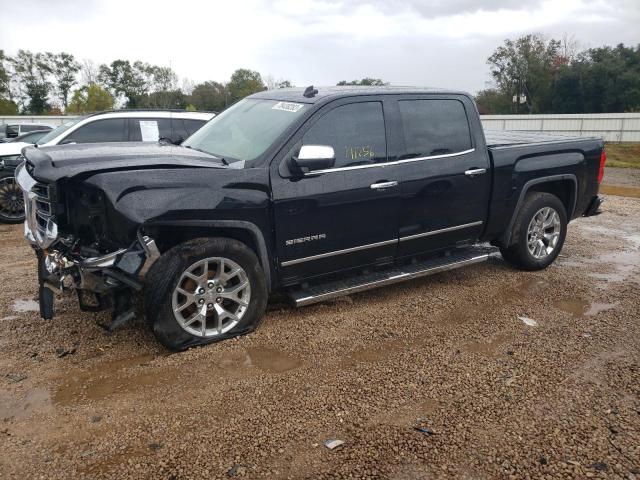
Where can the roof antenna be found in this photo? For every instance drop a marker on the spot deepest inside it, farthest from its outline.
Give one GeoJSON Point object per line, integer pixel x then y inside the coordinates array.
{"type": "Point", "coordinates": [310, 92]}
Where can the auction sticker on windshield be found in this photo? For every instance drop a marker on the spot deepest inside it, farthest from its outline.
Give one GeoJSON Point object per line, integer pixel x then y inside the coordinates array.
{"type": "Point", "coordinates": [287, 106]}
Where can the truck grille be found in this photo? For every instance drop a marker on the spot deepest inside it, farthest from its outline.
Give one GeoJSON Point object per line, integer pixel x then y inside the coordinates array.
{"type": "Point", "coordinates": [43, 206]}
{"type": "Point", "coordinates": [39, 202]}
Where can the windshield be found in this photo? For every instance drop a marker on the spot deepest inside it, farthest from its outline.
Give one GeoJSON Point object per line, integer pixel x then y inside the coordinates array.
{"type": "Point", "coordinates": [245, 130]}
{"type": "Point", "coordinates": [58, 130]}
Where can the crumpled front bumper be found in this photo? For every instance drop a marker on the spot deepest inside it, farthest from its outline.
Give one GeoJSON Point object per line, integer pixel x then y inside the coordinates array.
{"type": "Point", "coordinates": [121, 268]}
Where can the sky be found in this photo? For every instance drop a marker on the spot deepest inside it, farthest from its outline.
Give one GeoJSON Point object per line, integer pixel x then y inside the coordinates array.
{"type": "Point", "coordinates": [437, 43]}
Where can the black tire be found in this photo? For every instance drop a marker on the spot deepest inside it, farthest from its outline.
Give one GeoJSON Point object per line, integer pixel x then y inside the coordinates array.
{"type": "Point", "coordinates": [11, 199]}
{"type": "Point", "coordinates": [518, 253]}
{"type": "Point", "coordinates": [164, 275]}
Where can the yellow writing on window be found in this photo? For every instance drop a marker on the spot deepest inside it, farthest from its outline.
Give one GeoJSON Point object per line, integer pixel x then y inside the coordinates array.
{"type": "Point", "coordinates": [358, 153]}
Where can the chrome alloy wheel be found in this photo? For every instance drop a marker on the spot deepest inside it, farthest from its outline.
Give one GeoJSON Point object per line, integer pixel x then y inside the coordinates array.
{"type": "Point", "coordinates": [543, 232]}
{"type": "Point", "coordinates": [211, 297]}
{"type": "Point", "coordinates": [11, 199]}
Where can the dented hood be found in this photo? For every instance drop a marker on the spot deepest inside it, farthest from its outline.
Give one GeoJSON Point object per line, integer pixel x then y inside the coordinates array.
{"type": "Point", "coordinates": [51, 164]}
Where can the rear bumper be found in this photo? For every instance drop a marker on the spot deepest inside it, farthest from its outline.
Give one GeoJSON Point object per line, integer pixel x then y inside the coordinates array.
{"type": "Point", "coordinates": [594, 206]}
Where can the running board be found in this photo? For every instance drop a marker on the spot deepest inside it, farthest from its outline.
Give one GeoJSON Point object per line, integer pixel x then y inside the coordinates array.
{"type": "Point", "coordinates": [454, 259]}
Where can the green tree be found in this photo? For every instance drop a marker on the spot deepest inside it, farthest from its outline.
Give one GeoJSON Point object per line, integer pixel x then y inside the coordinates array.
{"type": "Point", "coordinates": [5, 78]}
{"type": "Point", "coordinates": [163, 99]}
{"type": "Point", "coordinates": [32, 71]}
{"type": "Point", "coordinates": [244, 82]}
{"type": "Point", "coordinates": [89, 99]}
{"type": "Point", "coordinates": [64, 68]}
{"type": "Point", "coordinates": [492, 101]}
{"type": "Point", "coordinates": [210, 96]}
{"type": "Point", "coordinates": [525, 68]}
{"type": "Point", "coordinates": [123, 80]}
{"type": "Point", "coordinates": [162, 87]}
{"type": "Point", "coordinates": [610, 79]}
{"type": "Point", "coordinates": [372, 82]}
{"type": "Point", "coordinates": [8, 107]}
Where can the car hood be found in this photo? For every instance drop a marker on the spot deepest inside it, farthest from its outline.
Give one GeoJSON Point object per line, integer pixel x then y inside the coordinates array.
{"type": "Point", "coordinates": [12, 148]}
{"type": "Point", "coordinates": [55, 163]}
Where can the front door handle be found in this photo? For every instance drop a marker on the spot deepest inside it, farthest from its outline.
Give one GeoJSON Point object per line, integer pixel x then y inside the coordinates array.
{"type": "Point", "coordinates": [381, 185]}
{"type": "Point", "coordinates": [474, 172]}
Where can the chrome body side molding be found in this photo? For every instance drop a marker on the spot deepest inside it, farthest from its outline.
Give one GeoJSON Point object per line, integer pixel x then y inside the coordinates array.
{"type": "Point", "coordinates": [442, 230]}
{"type": "Point", "coordinates": [337, 252]}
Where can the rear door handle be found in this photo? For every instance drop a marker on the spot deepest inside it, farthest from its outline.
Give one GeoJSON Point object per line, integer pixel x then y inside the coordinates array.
{"type": "Point", "coordinates": [474, 172]}
{"type": "Point", "coordinates": [381, 185]}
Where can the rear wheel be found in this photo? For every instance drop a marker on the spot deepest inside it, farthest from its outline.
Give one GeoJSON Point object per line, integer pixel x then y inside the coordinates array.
{"type": "Point", "coordinates": [204, 291]}
{"type": "Point", "coordinates": [11, 199]}
{"type": "Point", "coordinates": [538, 232]}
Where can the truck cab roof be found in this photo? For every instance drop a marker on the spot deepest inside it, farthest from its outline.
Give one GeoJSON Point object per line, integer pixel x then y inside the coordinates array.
{"type": "Point", "coordinates": [334, 92]}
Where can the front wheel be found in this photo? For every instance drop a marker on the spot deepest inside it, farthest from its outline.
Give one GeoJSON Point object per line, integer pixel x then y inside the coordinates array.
{"type": "Point", "coordinates": [538, 232]}
{"type": "Point", "coordinates": [203, 291]}
{"type": "Point", "coordinates": [11, 199]}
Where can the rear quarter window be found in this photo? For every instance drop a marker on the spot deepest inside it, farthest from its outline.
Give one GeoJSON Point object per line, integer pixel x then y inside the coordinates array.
{"type": "Point", "coordinates": [193, 126]}
{"type": "Point", "coordinates": [434, 127]}
{"type": "Point", "coordinates": [149, 129]}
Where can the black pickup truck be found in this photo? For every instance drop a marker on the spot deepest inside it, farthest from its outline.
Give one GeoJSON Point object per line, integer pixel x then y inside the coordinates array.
{"type": "Point", "coordinates": [309, 194]}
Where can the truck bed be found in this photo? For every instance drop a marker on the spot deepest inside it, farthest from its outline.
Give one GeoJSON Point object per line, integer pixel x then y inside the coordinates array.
{"type": "Point", "coordinates": [500, 138]}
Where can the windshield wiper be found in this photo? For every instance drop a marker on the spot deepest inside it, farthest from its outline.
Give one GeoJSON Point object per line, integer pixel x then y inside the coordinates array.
{"type": "Point", "coordinates": [222, 159]}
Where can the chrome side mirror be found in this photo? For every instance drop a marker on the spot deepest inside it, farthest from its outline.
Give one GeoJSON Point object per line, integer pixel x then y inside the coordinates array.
{"type": "Point", "coordinates": [314, 157]}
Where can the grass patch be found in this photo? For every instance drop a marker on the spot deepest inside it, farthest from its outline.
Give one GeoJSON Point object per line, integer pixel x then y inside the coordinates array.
{"type": "Point", "coordinates": [623, 155]}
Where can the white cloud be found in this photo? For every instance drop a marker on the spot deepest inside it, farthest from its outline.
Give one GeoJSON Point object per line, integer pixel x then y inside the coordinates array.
{"type": "Point", "coordinates": [409, 42]}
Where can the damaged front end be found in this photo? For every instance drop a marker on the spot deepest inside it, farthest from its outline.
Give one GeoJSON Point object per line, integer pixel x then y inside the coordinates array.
{"type": "Point", "coordinates": [102, 280]}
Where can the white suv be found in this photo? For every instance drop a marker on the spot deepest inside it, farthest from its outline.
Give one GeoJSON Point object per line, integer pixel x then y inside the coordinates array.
{"type": "Point", "coordinates": [119, 126]}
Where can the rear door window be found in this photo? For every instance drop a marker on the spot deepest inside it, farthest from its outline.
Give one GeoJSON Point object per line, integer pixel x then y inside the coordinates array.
{"type": "Point", "coordinates": [107, 130]}
{"type": "Point", "coordinates": [149, 129]}
{"type": "Point", "coordinates": [434, 127]}
{"type": "Point", "coordinates": [355, 131]}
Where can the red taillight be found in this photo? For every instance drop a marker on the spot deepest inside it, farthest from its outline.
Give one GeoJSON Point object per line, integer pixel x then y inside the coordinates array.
{"type": "Point", "coordinates": [603, 160]}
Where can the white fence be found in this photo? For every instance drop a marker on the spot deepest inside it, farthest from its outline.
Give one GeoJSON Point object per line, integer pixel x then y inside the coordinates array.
{"type": "Point", "coordinates": [51, 120]}
{"type": "Point", "coordinates": [613, 127]}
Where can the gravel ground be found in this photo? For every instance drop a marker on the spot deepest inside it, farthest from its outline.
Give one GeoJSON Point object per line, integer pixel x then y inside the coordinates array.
{"type": "Point", "coordinates": [622, 176]}
{"type": "Point", "coordinates": [494, 396]}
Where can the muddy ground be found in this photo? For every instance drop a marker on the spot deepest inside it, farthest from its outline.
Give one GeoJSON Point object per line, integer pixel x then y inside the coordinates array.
{"type": "Point", "coordinates": [504, 373]}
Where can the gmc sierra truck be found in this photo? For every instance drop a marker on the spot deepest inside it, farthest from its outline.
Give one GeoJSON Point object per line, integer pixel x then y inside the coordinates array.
{"type": "Point", "coordinates": [310, 194]}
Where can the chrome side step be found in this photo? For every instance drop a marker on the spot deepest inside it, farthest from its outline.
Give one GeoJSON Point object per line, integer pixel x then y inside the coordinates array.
{"type": "Point", "coordinates": [455, 259]}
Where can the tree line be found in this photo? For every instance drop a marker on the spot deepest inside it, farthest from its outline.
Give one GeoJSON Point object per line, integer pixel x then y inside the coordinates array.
{"type": "Point", "coordinates": [55, 83]}
{"type": "Point", "coordinates": [532, 74]}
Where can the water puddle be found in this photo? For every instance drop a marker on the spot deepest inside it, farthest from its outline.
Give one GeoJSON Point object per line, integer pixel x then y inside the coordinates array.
{"type": "Point", "coordinates": [132, 375]}
{"type": "Point", "coordinates": [579, 307]}
{"type": "Point", "coordinates": [35, 401]}
{"type": "Point", "coordinates": [622, 263]}
{"type": "Point", "coordinates": [376, 353]}
{"type": "Point", "coordinates": [575, 306]}
{"type": "Point", "coordinates": [22, 306]}
{"type": "Point", "coordinates": [109, 378]}
{"type": "Point", "coordinates": [596, 308]}
{"type": "Point", "coordinates": [407, 415]}
{"type": "Point", "coordinates": [528, 286]}
{"type": "Point", "coordinates": [488, 348]}
{"type": "Point", "coordinates": [265, 359]}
